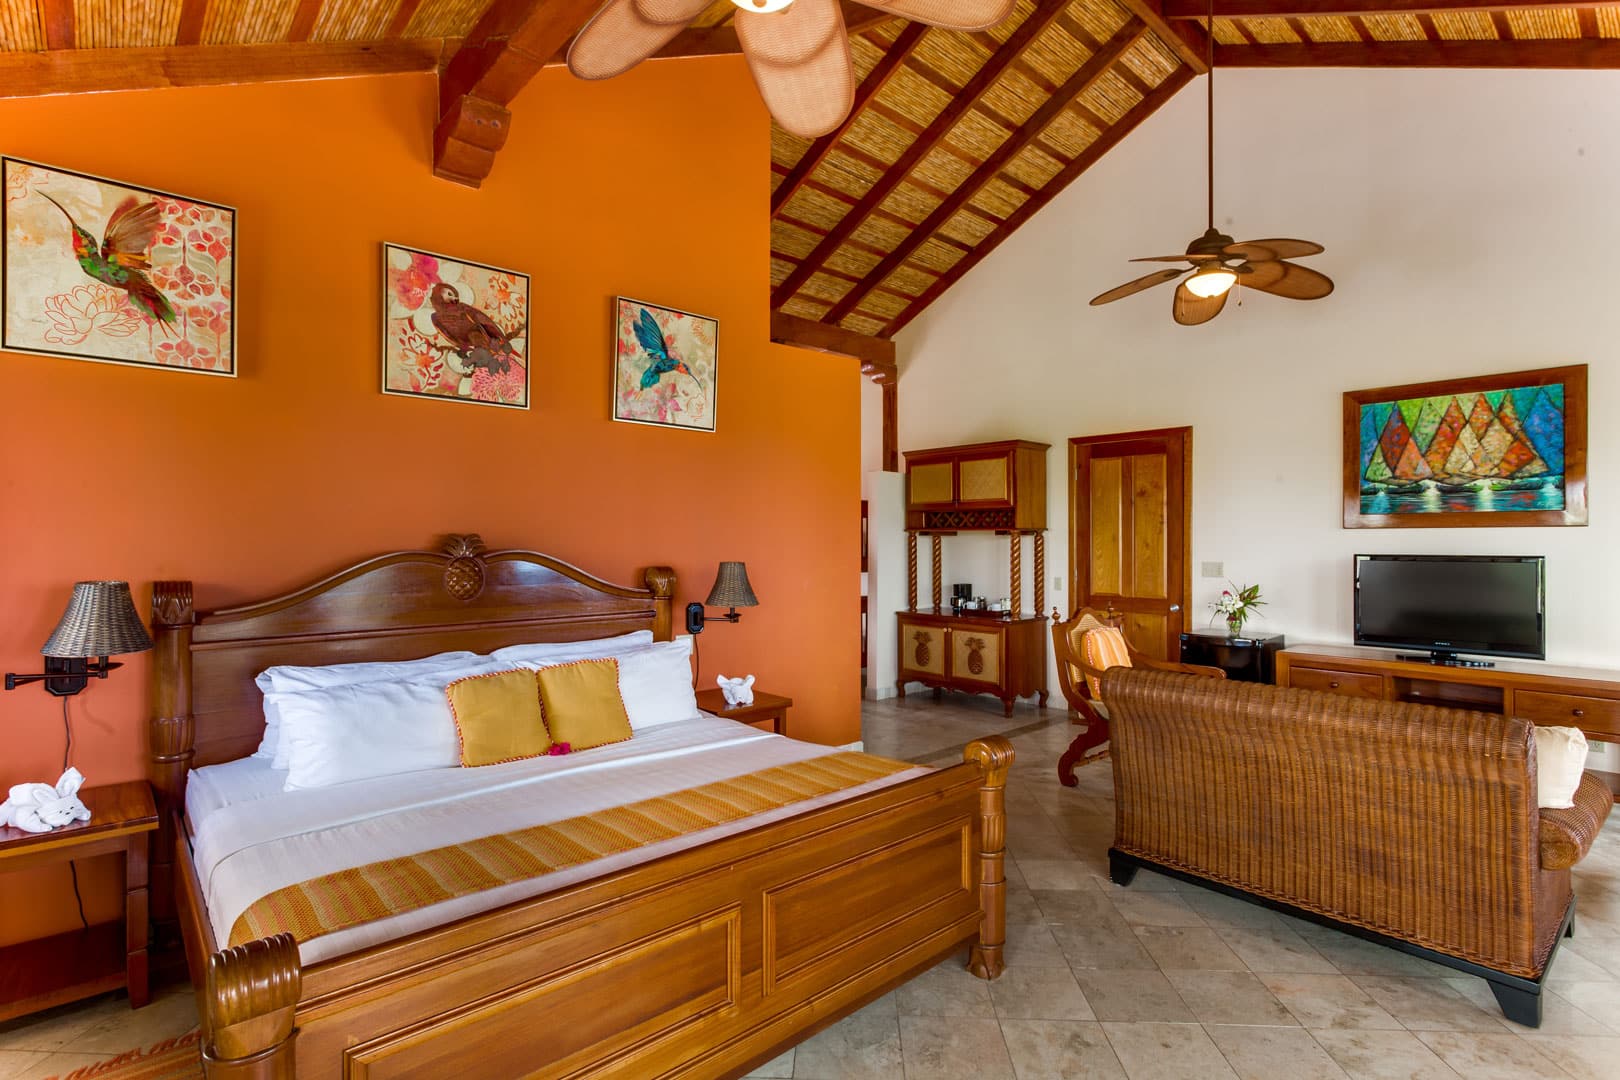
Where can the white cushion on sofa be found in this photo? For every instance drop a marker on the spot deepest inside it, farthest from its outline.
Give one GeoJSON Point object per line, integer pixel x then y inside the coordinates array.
{"type": "Point", "coordinates": [1560, 760]}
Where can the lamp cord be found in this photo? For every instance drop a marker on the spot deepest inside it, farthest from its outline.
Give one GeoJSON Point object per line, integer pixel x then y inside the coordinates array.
{"type": "Point", "coordinates": [73, 867]}
{"type": "Point", "coordinates": [697, 662]}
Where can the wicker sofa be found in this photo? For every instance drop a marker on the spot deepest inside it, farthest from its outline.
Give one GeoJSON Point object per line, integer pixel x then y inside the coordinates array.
{"type": "Point", "coordinates": [1409, 825]}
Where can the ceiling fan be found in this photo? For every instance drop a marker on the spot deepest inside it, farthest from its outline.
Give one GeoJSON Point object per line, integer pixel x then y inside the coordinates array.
{"type": "Point", "coordinates": [798, 50]}
{"type": "Point", "coordinates": [1217, 262]}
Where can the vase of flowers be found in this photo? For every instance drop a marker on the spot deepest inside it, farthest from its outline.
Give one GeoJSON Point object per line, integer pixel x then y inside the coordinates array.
{"type": "Point", "coordinates": [1236, 605]}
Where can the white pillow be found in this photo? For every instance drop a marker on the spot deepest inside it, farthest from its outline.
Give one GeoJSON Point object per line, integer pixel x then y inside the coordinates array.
{"type": "Point", "coordinates": [1560, 760]}
{"type": "Point", "coordinates": [656, 684]}
{"type": "Point", "coordinates": [341, 733]}
{"type": "Point", "coordinates": [550, 651]}
{"type": "Point", "coordinates": [288, 678]}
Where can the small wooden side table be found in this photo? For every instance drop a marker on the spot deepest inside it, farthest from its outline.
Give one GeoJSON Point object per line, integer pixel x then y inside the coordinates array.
{"type": "Point", "coordinates": [36, 975]}
{"type": "Point", "coordinates": [772, 707]}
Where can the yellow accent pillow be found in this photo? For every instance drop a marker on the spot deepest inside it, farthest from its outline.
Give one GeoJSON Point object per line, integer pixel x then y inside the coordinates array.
{"type": "Point", "coordinates": [1103, 648]}
{"type": "Point", "coordinates": [498, 717]}
{"type": "Point", "coordinates": [582, 705]}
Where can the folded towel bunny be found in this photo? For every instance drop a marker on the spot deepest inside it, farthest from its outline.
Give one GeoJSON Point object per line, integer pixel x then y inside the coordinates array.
{"type": "Point", "coordinates": [40, 808]}
{"type": "Point", "coordinates": [737, 691]}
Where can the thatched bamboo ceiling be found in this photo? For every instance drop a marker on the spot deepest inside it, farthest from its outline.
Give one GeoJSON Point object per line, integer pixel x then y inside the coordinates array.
{"type": "Point", "coordinates": [955, 140]}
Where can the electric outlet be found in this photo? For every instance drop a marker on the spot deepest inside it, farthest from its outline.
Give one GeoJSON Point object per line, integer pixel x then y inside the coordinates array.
{"type": "Point", "coordinates": [1057, 584]}
{"type": "Point", "coordinates": [1214, 569]}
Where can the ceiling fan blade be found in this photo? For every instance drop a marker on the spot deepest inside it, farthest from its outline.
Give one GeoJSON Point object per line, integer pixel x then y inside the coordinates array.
{"type": "Point", "coordinates": [1266, 250]}
{"type": "Point", "coordinates": [1190, 310]}
{"type": "Point", "coordinates": [619, 37]}
{"type": "Point", "coordinates": [1130, 288]}
{"type": "Point", "coordinates": [952, 14]}
{"type": "Point", "coordinates": [801, 63]}
{"type": "Point", "coordinates": [1280, 278]}
{"type": "Point", "coordinates": [1177, 258]}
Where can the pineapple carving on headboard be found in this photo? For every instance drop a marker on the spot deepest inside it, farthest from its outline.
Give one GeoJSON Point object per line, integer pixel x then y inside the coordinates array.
{"type": "Point", "coordinates": [464, 574]}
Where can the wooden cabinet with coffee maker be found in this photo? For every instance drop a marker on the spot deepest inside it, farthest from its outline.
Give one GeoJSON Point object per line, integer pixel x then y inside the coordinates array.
{"type": "Point", "coordinates": [976, 646]}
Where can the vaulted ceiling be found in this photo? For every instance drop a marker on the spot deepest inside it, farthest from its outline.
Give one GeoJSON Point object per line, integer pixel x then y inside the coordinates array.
{"type": "Point", "coordinates": [955, 141]}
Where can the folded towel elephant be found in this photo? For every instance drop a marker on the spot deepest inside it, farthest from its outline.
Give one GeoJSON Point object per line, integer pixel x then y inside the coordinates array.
{"type": "Point", "coordinates": [40, 808]}
{"type": "Point", "coordinates": [737, 691]}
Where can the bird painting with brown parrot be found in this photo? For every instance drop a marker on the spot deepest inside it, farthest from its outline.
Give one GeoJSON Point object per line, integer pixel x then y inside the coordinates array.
{"type": "Point", "coordinates": [124, 257]}
{"type": "Point", "coordinates": [476, 338]}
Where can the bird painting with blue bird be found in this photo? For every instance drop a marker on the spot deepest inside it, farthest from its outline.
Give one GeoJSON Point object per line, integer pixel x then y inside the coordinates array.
{"type": "Point", "coordinates": [124, 256]}
{"type": "Point", "coordinates": [661, 354]}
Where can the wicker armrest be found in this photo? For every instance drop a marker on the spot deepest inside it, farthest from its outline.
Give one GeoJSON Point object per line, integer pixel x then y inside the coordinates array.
{"type": "Point", "coordinates": [1567, 835]}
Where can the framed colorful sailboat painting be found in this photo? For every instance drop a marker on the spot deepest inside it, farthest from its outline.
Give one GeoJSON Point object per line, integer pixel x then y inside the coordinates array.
{"type": "Point", "coordinates": [1468, 453]}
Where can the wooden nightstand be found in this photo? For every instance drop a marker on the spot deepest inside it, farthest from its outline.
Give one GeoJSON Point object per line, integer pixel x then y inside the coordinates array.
{"type": "Point", "coordinates": [35, 975]}
{"type": "Point", "coordinates": [772, 707]}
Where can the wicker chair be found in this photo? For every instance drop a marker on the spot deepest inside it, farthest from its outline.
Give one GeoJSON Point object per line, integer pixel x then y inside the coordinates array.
{"type": "Point", "coordinates": [1409, 825]}
{"type": "Point", "coordinates": [1068, 640]}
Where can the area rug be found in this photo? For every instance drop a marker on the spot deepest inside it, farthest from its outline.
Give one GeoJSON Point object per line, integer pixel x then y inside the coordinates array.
{"type": "Point", "coordinates": [172, 1059]}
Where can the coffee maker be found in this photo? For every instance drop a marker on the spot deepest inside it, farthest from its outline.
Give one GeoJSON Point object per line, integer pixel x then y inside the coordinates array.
{"type": "Point", "coordinates": [960, 596]}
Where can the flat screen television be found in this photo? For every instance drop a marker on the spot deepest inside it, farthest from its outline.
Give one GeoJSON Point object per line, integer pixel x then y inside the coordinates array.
{"type": "Point", "coordinates": [1490, 605]}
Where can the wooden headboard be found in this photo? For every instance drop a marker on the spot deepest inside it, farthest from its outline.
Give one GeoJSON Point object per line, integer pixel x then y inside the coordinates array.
{"type": "Point", "coordinates": [408, 604]}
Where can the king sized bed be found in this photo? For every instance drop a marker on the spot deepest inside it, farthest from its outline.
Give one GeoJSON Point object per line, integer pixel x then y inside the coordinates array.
{"type": "Point", "coordinates": [801, 883]}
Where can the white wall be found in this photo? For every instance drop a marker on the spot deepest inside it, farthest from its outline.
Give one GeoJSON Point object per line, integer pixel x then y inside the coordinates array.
{"type": "Point", "coordinates": [1471, 227]}
{"type": "Point", "coordinates": [871, 434]}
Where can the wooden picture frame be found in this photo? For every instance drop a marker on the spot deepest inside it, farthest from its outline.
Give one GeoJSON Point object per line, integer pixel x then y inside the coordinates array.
{"type": "Point", "coordinates": [115, 273]}
{"type": "Point", "coordinates": [680, 386]}
{"type": "Point", "coordinates": [454, 330]}
{"type": "Point", "coordinates": [1491, 451]}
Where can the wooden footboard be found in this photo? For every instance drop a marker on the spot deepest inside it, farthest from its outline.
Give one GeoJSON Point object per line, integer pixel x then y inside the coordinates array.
{"type": "Point", "coordinates": [701, 964]}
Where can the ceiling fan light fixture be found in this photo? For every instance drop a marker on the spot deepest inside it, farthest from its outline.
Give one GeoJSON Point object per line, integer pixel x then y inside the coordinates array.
{"type": "Point", "coordinates": [1211, 281]}
{"type": "Point", "coordinates": [761, 7]}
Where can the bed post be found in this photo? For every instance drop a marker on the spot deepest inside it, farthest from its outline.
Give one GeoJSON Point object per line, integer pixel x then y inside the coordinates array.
{"type": "Point", "coordinates": [993, 754]}
{"type": "Point", "coordinates": [249, 1007]}
{"type": "Point", "coordinates": [169, 740]}
{"type": "Point", "coordinates": [661, 580]}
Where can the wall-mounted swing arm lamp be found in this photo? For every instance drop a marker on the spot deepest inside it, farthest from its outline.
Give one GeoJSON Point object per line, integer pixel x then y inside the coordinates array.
{"type": "Point", "coordinates": [100, 621]}
{"type": "Point", "coordinates": [731, 590]}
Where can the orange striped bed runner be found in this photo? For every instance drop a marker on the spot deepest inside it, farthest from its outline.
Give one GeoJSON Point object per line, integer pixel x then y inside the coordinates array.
{"type": "Point", "coordinates": [348, 898]}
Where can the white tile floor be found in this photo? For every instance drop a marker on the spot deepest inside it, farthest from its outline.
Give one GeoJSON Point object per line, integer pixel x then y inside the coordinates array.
{"type": "Point", "coordinates": [1161, 981]}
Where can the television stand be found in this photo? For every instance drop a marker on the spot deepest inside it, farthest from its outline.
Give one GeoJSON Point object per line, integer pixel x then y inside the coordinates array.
{"type": "Point", "coordinates": [1444, 659]}
{"type": "Point", "coordinates": [1586, 698]}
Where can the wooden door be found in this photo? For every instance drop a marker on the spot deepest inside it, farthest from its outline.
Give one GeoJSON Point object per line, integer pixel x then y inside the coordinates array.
{"type": "Point", "coordinates": [1130, 516]}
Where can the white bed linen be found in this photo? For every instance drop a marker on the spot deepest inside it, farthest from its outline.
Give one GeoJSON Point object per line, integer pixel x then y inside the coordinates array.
{"type": "Point", "coordinates": [250, 838]}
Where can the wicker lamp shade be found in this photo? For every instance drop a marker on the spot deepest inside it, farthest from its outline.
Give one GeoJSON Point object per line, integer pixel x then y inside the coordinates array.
{"type": "Point", "coordinates": [100, 621]}
{"type": "Point", "coordinates": [731, 588]}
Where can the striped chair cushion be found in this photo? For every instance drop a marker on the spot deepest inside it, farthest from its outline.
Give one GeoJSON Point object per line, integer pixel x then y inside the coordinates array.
{"type": "Point", "coordinates": [1102, 649]}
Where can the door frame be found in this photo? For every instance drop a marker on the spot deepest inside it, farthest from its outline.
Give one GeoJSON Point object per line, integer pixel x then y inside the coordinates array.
{"type": "Point", "coordinates": [1080, 513]}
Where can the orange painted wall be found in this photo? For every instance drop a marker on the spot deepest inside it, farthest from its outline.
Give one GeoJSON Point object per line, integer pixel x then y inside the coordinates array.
{"type": "Point", "coordinates": [653, 186]}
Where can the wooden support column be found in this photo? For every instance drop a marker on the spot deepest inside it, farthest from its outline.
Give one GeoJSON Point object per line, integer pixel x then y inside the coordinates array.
{"type": "Point", "coordinates": [1017, 596]}
{"type": "Point", "coordinates": [1040, 573]}
{"type": "Point", "coordinates": [939, 574]}
{"type": "Point", "coordinates": [911, 571]}
{"type": "Point", "coordinates": [891, 425]}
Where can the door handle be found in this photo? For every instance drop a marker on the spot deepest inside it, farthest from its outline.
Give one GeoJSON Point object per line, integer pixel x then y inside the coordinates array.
{"type": "Point", "coordinates": [1175, 607]}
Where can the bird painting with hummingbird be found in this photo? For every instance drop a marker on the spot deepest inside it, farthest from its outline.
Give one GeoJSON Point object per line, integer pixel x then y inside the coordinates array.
{"type": "Point", "coordinates": [124, 257]}
{"type": "Point", "coordinates": [661, 355]}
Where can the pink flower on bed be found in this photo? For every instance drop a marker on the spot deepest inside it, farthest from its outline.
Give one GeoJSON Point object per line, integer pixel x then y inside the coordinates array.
{"type": "Point", "coordinates": [558, 749]}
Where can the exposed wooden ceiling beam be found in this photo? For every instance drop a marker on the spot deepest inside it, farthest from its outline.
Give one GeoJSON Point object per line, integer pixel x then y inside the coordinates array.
{"type": "Point", "coordinates": [89, 71]}
{"type": "Point", "coordinates": [1307, 9]}
{"type": "Point", "coordinates": [875, 80]}
{"type": "Point", "coordinates": [508, 46]}
{"type": "Point", "coordinates": [1188, 42]}
{"type": "Point", "coordinates": [1567, 54]}
{"type": "Point", "coordinates": [402, 18]}
{"type": "Point", "coordinates": [1082, 80]}
{"type": "Point", "coordinates": [875, 354]}
{"type": "Point", "coordinates": [57, 18]}
{"type": "Point", "coordinates": [304, 18]}
{"type": "Point", "coordinates": [193, 13]}
{"type": "Point", "coordinates": [1087, 158]}
{"type": "Point", "coordinates": [1046, 11]}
